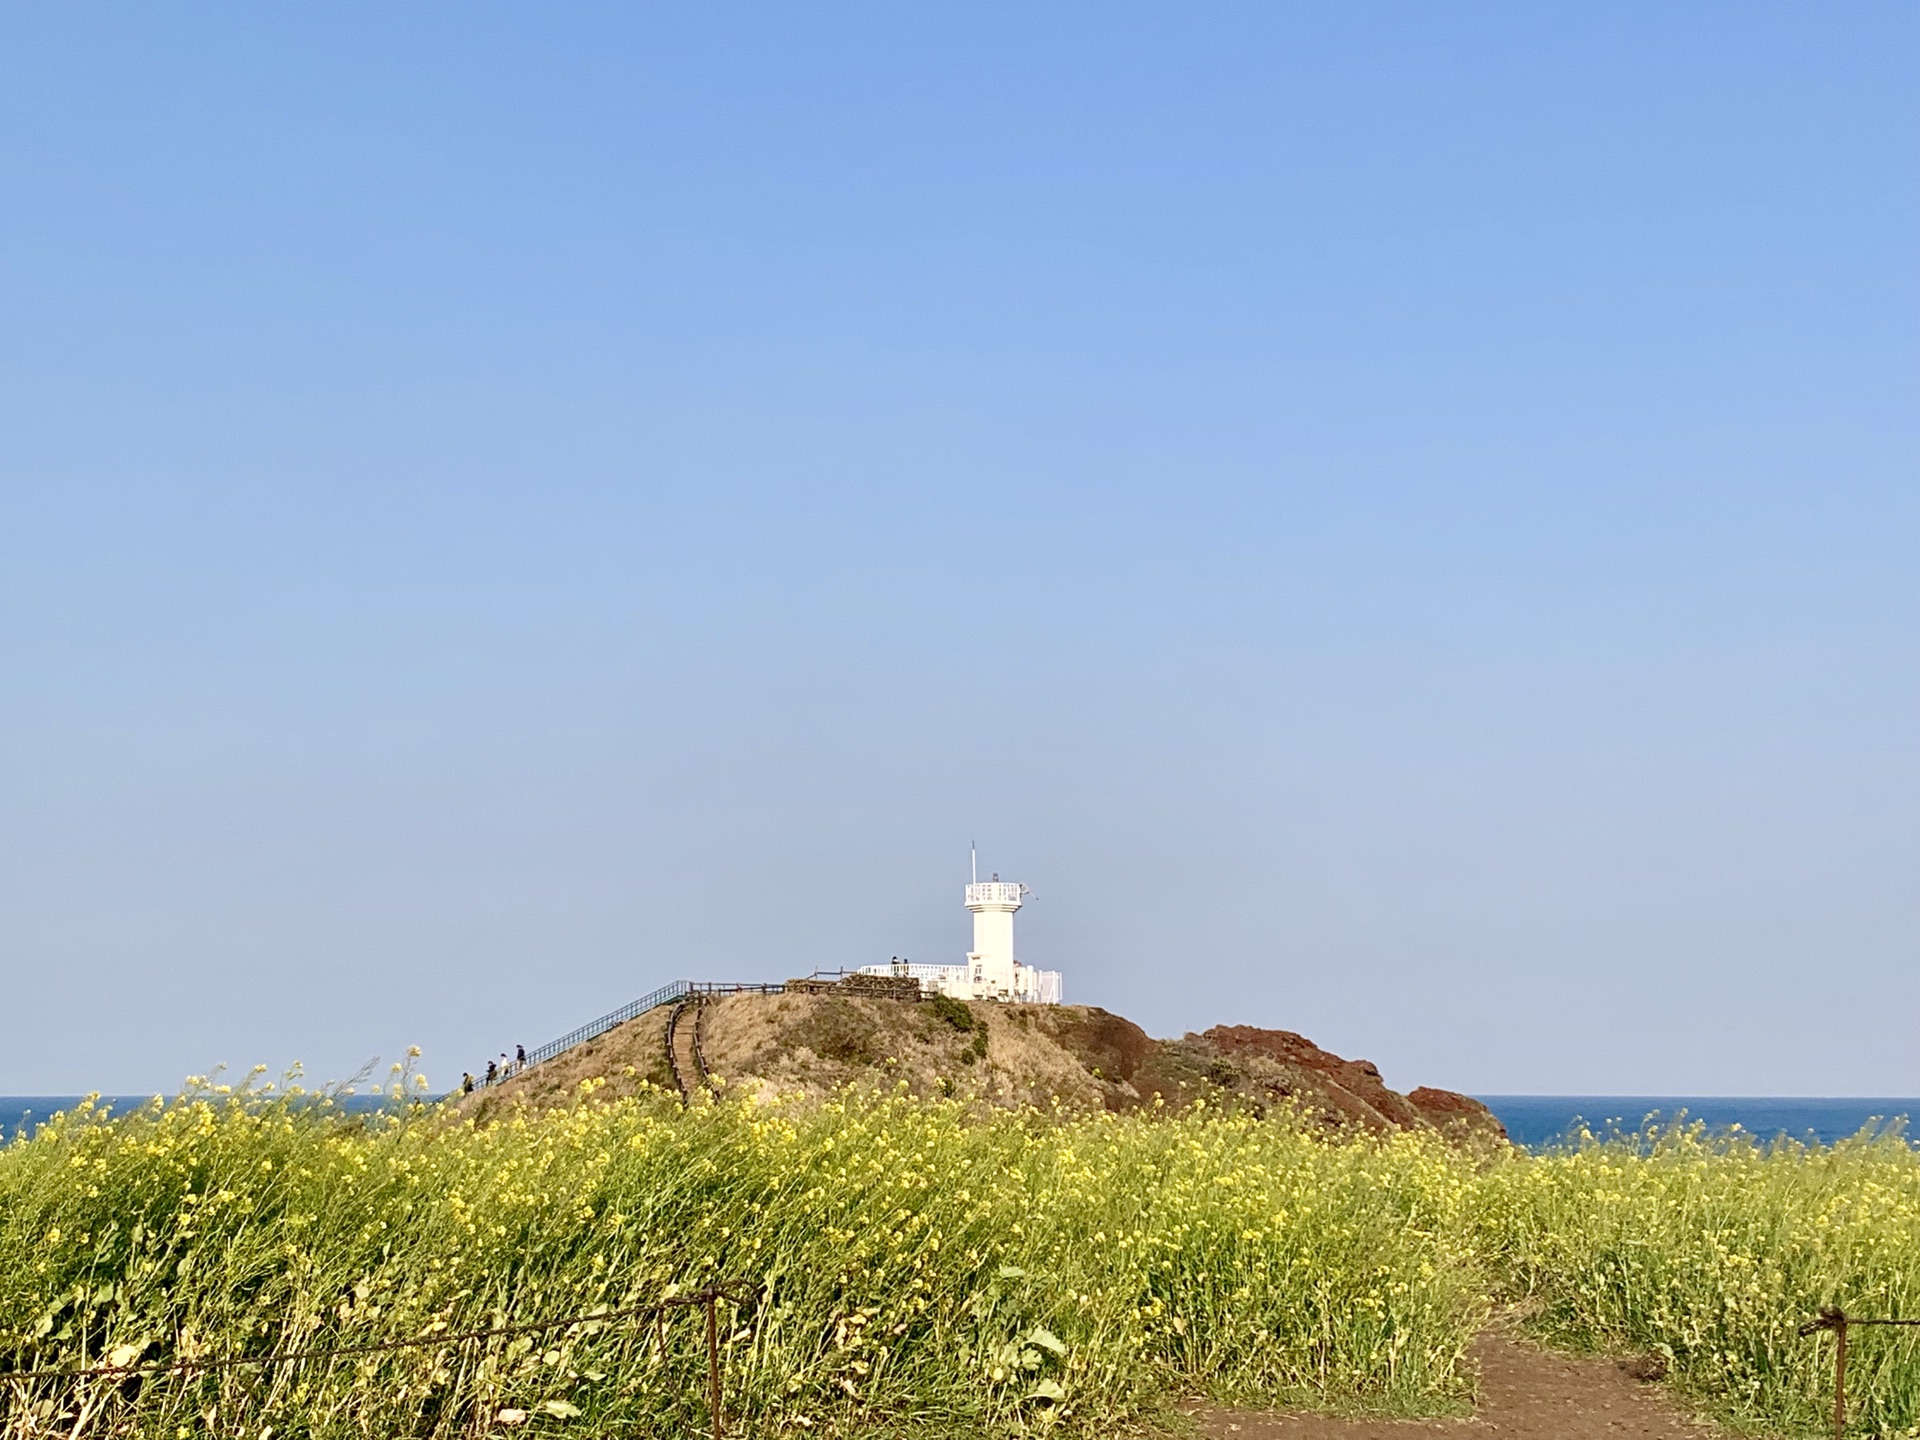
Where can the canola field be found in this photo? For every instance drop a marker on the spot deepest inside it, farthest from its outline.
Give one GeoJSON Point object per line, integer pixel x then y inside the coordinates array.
{"type": "Point", "coordinates": [1711, 1251]}
{"type": "Point", "coordinates": [903, 1267]}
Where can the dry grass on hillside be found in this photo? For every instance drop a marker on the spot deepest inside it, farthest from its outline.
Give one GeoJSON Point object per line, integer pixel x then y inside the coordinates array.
{"type": "Point", "coordinates": [1080, 1057]}
{"type": "Point", "coordinates": [814, 1044]}
{"type": "Point", "coordinates": [627, 1055]}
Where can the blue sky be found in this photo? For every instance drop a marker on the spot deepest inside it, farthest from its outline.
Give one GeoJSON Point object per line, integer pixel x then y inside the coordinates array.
{"type": "Point", "coordinates": [1398, 522]}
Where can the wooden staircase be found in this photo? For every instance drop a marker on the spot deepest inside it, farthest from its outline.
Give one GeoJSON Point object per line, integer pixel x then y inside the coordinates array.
{"type": "Point", "coordinates": [684, 1057]}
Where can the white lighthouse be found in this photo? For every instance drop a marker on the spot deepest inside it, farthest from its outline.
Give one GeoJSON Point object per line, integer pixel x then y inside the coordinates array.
{"type": "Point", "coordinates": [992, 971]}
{"type": "Point", "coordinates": [990, 963]}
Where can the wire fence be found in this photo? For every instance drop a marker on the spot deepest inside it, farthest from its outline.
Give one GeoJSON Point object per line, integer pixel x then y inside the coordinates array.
{"type": "Point", "coordinates": [707, 1298]}
{"type": "Point", "coordinates": [1839, 1322]}
{"type": "Point", "coordinates": [1830, 1319]}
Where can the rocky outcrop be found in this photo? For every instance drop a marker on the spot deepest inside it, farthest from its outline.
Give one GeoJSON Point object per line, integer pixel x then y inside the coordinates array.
{"type": "Point", "coordinates": [1353, 1086]}
{"type": "Point", "coordinates": [1455, 1114]}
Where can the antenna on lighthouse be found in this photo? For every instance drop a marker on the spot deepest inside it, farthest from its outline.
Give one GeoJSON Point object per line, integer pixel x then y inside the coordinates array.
{"type": "Point", "coordinates": [973, 854]}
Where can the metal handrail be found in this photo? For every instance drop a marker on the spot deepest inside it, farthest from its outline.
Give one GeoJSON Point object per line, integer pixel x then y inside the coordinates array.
{"type": "Point", "coordinates": [678, 990]}
{"type": "Point", "coordinates": [606, 1022]}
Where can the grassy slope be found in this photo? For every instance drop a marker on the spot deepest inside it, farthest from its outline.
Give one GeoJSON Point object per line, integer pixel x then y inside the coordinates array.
{"type": "Point", "coordinates": [1080, 1057]}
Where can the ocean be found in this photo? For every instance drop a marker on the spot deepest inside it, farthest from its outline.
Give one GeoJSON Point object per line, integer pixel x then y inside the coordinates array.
{"type": "Point", "coordinates": [1531, 1120]}
{"type": "Point", "coordinates": [19, 1112]}
{"type": "Point", "coordinates": [1538, 1120]}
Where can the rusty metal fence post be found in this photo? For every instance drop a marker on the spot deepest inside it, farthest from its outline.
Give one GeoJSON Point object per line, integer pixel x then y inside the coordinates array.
{"type": "Point", "coordinates": [1837, 1320]}
{"type": "Point", "coordinates": [713, 1362]}
{"type": "Point", "coordinates": [1839, 1374]}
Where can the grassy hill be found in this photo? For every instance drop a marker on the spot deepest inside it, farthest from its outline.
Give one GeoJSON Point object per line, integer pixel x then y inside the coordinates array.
{"type": "Point", "coordinates": [1079, 1057]}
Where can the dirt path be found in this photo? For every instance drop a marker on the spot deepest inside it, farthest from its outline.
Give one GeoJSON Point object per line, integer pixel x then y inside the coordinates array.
{"type": "Point", "coordinates": [1525, 1394]}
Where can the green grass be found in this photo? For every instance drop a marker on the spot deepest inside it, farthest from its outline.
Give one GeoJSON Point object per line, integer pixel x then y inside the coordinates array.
{"type": "Point", "coordinates": [1712, 1250]}
{"type": "Point", "coordinates": [922, 1269]}
{"type": "Point", "coordinates": [918, 1267]}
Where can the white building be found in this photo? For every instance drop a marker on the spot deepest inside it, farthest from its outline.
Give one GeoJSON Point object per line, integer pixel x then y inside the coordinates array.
{"type": "Point", "coordinates": [991, 971]}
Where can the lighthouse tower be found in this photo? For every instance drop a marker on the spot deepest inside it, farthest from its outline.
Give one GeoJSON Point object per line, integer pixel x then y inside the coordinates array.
{"type": "Point", "coordinates": [993, 970]}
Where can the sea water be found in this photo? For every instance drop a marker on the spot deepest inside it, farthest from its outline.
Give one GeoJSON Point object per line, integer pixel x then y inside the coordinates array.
{"type": "Point", "coordinates": [1531, 1120]}
{"type": "Point", "coordinates": [26, 1113]}
{"type": "Point", "coordinates": [19, 1112]}
{"type": "Point", "coordinates": [1539, 1120]}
